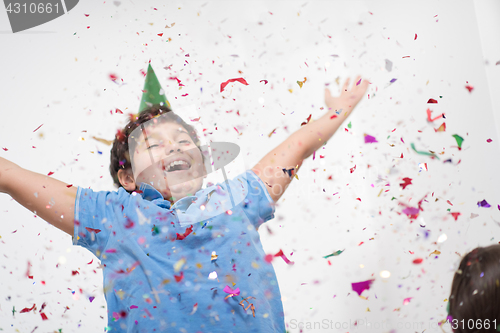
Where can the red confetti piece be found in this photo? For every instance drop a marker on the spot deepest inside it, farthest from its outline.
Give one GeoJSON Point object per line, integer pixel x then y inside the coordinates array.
{"type": "Point", "coordinates": [93, 230]}
{"type": "Point", "coordinates": [38, 128]}
{"type": "Point", "coordinates": [456, 215]}
{"type": "Point", "coordinates": [469, 88]}
{"type": "Point", "coordinates": [334, 116]}
{"type": "Point", "coordinates": [489, 140]}
{"type": "Point", "coordinates": [91, 261]}
{"type": "Point", "coordinates": [87, 15]}
{"type": "Point", "coordinates": [5, 149]}
{"type": "Point", "coordinates": [361, 243]}
{"type": "Point", "coordinates": [185, 234]}
{"type": "Point", "coordinates": [160, 34]}
{"type": "Point", "coordinates": [359, 287]}
{"type": "Point", "coordinates": [68, 186]}
{"type": "Point", "coordinates": [358, 199]}
{"type": "Point", "coordinates": [50, 173]}
{"type": "Point", "coordinates": [449, 202]}
{"type": "Point", "coordinates": [27, 309]}
{"type": "Point", "coordinates": [432, 101]}
{"type": "Point", "coordinates": [307, 120]}
{"type": "Point", "coordinates": [415, 37]}
{"type": "Point", "coordinates": [113, 77]}
{"type": "Point", "coordinates": [224, 84]}
{"type": "Point", "coordinates": [269, 258]}
{"type": "Point", "coordinates": [73, 273]}
{"type": "Point", "coordinates": [418, 261]}
{"type": "Point", "coordinates": [179, 278]}
{"type": "Point", "coordinates": [118, 111]}
{"type": "Point", "coordinates": [407, 181]}
{"type": "Point", "coordinates": [353, 168]}
{"type": "Point", "coordinates": [44, 317]}
{"type": "Point", "coordinates": [265, 81]}
{"type": "Point", "coordinates": [130, 224]}
{"type": "Point", "coordinates": [282, 255]}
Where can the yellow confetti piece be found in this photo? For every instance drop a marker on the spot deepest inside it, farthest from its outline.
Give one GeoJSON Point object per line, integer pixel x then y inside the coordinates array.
{"type": "Point", "coordinates": [290, 90]}
{"type": "Point", "coordinates": [106, 142]}
{"type": "Point", "coordinates": [178, 265]}
{"type": "Point", "coordinates": [255, 265]}
{"type": "Point", "coordinates": [300, 83]}
{"type": "Point", "coordinates": [436, 252]}
{"type": "Point", "coordinates": [166, 281]}
{"type": "Point", "coordinates": [363, 297]}
{"type": "Point", "coordinates": [367, 310]}
{"type": "Point", "coordinates": [200, 266]}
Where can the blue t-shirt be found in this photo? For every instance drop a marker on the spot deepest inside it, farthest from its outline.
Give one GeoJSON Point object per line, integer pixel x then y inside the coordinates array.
{"type": "Point", "coordinates": [173, 268]}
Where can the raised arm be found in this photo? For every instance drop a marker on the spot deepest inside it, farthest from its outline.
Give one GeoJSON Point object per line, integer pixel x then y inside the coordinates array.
{"type": "Point", "coordinates": [46, 197]}
{"type": "Point", "coordinates": [301, 144]}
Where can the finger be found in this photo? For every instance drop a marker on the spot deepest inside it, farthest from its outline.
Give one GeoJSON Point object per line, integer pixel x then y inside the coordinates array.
{"type": "Point", "coordinates": [328, 94]}
{"type": "Point", "coordinates": [346, 84]}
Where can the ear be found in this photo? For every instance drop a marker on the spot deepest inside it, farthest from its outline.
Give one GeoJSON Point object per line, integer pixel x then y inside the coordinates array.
{"type": "Point", "coordinates": [126, 179]}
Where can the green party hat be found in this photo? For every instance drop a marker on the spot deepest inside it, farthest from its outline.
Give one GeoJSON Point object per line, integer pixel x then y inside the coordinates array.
{"type": "Point", "coordinates": [152, 92]}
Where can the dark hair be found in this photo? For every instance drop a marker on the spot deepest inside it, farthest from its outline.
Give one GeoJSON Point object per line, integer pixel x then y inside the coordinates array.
{"type": "Point", "coordinates": [475, 291]}
{"type": "Point", "coordinates": [120, 158]}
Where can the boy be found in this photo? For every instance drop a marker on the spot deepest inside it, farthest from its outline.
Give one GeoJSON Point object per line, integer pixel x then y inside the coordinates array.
{"type": "Point", "coordinates": [162, 269]}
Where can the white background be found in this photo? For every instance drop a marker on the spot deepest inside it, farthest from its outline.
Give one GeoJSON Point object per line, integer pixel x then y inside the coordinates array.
{"type": "Point", "coordinates": [57, 75]}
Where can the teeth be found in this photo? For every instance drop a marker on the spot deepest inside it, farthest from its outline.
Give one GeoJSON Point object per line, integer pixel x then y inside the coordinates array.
{"type": "Point", "coordinates": [171, 165]}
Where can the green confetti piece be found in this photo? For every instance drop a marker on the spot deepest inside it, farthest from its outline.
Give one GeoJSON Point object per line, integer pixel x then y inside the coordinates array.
{"type": "Point", "coordinates": [334, 254]}
{"type": "Point", "coordinates": [349, 125]}
{"type": "Point", "coordinates": [459, 140]}
{"type": "Point", "coordinates": [423, 152]}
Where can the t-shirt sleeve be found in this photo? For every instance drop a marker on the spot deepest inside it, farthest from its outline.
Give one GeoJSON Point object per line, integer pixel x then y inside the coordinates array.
{"type": "Point", "coordinates": [258, 204]}
{"type": "Point", "coordinates": [94, 216]}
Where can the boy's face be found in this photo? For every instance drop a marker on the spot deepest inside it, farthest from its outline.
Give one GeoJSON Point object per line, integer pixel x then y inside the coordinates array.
{"type": "Point", "coordinates": [166, 157]}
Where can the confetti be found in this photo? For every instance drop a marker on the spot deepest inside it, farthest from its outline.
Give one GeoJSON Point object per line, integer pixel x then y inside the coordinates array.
{"type": "Point", "coordinates": [224, 84]}
{"type": "Point", "coordinates": [415, 37]}
{"type": "Point", "coordinates": [50, 173]}
{"type": "Point", "coordinates": [469, 88]}
{"type": "Point", "coordinates": [334, 254]}
{"type": "Point", "coordinates": [489, 140]}
{"type": "Point", "coordinates": [455, 215]}
{"type": "Point", "coordinates": [407, 300]}
{"type": "Point", "coordinates": [429, 111]}
{"type": "Point", "coordinates": [369, 139]}
{"type": "Point", "coordinates": [407, 181]}
{"type": "Point", "coordinates": [423, 152]}
{"type": "Point", "coordinates": [44, 316]}
{"type": "Point", "coordinates": [441, 128]}
{"type": "Point", "coordinates": [93, 230]}
{"type": "Point", "coordinates": [418, 261]}
{"type": "Point", "coordinates": [178, 278]}
{"type": "Point", "coordinates": [38, 128]}
{"type": "Point", "coordinates": [459, 140]}
{"type": "Point", "coordinates": [307, 120]}
{"type": "Point", "coordinates": [300, 83]}
{"type": "Point", "coordinates": [432, 101]}
{"type": "Point", "coordinates": [436, 252]}
{"type": "Point", "coordinates": [5, 149]}
{"type": "Point", "coordinates": [359, 287]}
{"type": "Point", "coordinates": [185, 234]}
{"type": "Point", "coordinates": [231, 292]}
{"type": "Point", "coordinates": [411, 212]}
{"type": "Point", "coordinates": [265, 81]}
{"type": "Point", "coordinates": [91, 298]}
{"type": "Point", "coordinates": [483, 204]}
{"type": "Point", "coordinates": [282, 255]}
{"type": "Point", "coordinates": [27, 309]}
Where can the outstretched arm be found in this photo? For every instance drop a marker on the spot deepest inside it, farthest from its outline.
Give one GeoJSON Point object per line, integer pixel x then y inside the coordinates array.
{"type": "Point", "coordinates": [48, 198]}
{"type": "Point", "coordinates": [301, 144]}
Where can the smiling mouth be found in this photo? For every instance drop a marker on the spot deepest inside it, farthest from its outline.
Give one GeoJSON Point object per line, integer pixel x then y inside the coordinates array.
{"type": "Point", "coordinates": [177, 166]}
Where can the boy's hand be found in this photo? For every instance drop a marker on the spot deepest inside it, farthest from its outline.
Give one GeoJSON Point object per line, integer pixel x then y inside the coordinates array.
{"type": "Point", "coordinates": [348, 98]}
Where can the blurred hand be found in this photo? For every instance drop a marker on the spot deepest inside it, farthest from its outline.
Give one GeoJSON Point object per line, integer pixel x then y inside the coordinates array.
{"type": "Point", "coordinates": [349, 97]}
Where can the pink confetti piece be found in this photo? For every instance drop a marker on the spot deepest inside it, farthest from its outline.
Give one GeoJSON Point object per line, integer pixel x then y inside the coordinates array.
{"type": "Point", "coordinates": [370, 139]}
{"type": "Point", "coordinates": [111, 251]}
{"type": "Point", "coordinates": [359, 287]}
{"type": "Point", "coordinates": [489, 140]}
{"type": "Point", "coordinates": [5, 149]}
{"type": "Point", "coordinates": [224, 84]}
{"type": "Point", "coordinates": [38, 128]}
{"type": "Point", "coordinates": [358, 82]}
{"type": "Point", "coordinates": [407, 300]}
{"type": "Point", "coordinates": [229, 290]}
{"type": "Point", "coordinates": [282, 255]}
{"type": "Point", "coordinates": [411, 211]}
{"type": "Point", "coordinates": [432, 119]}
{"type": "Point", "coordinates": [134, 307]}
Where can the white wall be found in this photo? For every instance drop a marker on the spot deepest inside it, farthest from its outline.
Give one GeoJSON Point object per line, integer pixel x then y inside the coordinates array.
{"type": "Point", "coordinates": [57, 75]}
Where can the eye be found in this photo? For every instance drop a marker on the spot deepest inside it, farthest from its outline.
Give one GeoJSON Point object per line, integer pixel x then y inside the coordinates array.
{"type": "Point", "coordinates": [187, 141]}
{"type": "Point", "coordinates": [152, 146]}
